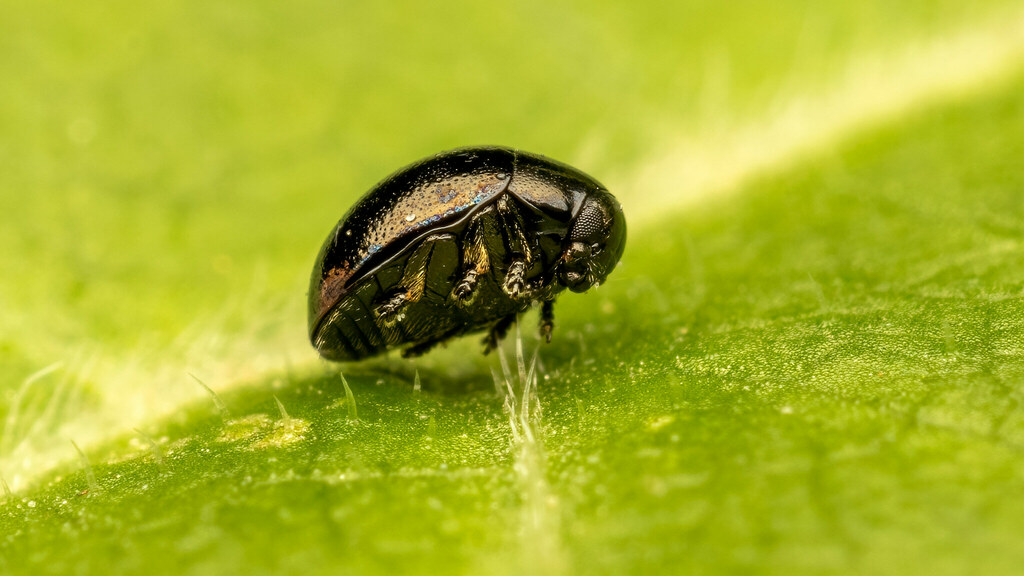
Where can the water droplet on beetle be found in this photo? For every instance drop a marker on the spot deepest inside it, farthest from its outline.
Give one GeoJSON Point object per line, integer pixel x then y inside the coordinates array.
{"type": "Point", "coordinates": [501, 176]}
{"type": "Point", "coordinates": [410, 217]}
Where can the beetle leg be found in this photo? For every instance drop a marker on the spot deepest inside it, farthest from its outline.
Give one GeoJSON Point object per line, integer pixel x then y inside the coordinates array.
{"type": "Point", "coordinates": [475, 261]}
{"type": "Point", "coordinates": [518, 248]}
{"type": "Point", "coordinates": [388, 311]}
{"type": "Point", "coordinates": [547, 319]}
{"type": "Point", "coordinates": [414, 280]}
{"type": "Point", "coordinates": [498, 332]}
{"type": "Point", "coordinates": [515, 279]}
{"type": "Point", "coordinates": [421, 348]}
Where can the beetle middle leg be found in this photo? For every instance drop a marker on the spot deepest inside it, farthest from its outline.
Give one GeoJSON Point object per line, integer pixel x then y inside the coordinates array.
{"type": "Point", "coordinates": [475, 261]}
{"type": "Point", "coordinates": [519, 249]}
{"type": "Point", "coordinates": [391, 307]}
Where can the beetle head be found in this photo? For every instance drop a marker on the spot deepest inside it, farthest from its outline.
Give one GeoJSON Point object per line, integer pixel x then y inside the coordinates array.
{"type": "Point", "coordinates": [594, 244]}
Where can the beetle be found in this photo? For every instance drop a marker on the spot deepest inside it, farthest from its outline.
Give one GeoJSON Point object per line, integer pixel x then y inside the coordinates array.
{"type": "Point", "coordinates": [460, 242]}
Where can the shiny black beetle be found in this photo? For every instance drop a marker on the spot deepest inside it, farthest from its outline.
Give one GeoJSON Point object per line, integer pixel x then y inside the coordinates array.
{"type": "Point", "coordinates": [456, 243]}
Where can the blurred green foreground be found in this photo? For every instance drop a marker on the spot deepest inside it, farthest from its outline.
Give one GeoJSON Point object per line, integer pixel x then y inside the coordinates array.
{"type": "Point", "coordinates": [814, 366]}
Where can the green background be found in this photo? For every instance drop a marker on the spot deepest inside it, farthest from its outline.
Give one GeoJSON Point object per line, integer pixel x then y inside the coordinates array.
{"type": "Point", "coordinates": [814, 366]}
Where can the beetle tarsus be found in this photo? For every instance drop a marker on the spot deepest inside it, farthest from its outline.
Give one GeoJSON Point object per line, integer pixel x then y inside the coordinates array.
{"type": "Point", "coordinates": [497, 333]}
{"type": "Point", "coordinates": [391, 309]}
{"type": "Point", "coordinates": [547, 320]}
{"type": "Point", "coordinates": [463, 292]}
{"type": "Point", "coordinates": [515, 280]}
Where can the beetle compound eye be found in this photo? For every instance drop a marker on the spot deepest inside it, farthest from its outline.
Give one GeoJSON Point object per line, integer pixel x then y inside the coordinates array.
{"type": "Point", "coordinates": [590, 223]}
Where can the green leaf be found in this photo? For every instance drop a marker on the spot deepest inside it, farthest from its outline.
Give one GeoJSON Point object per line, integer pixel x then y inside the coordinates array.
{"type": "Point", "coordinates": [819, 372]}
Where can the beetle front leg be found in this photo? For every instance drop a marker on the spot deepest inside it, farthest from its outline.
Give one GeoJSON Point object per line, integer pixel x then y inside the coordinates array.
{"type": "Point", "coordinates": [519, 250]}
{"type": "Point", "coordinates": [391, 308]}
{"type": "Point", "coordinates": [475, 262]}
{"type": "Point", "coordinates": [547, 319]}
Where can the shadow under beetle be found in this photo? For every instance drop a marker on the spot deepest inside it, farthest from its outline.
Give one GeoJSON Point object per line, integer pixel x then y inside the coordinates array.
{"type": "Point", "coordinates": [456, 243]}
